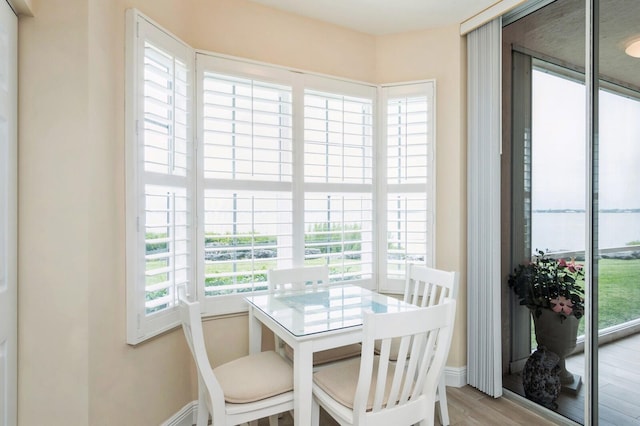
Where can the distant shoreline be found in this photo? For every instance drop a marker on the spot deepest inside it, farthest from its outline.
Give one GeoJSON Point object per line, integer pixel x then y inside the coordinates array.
{"type": "Point", "coordinates": [637, 210]}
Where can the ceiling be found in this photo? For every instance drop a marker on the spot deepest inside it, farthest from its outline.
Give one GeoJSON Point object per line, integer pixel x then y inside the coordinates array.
{"type": "Point", "coordinates": [379, 17]}
{"type": "Point", "coordinates": [558, 32]}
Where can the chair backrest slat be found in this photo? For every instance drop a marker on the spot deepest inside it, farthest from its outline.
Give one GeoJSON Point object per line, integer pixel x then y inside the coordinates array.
{"type": "Point", "coordinates": [425, 337]}
{"type": "Point", "coordinates": [298, 278]}
{"type": "Point", "coordinates": [428, 286]}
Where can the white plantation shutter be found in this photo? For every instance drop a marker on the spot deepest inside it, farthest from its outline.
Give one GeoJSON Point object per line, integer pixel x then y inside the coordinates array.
{"type": "Point", "coordinates": [247, 129]}
{"type": "Point", "coordinates": [409, 185]}
{"type": "Point", "coordinates": [247, 174]}
{"type": "Point", "coordinates": [339, 233]}
{"type": "Point", "coordinates": [159, 179]}
{"type": "Point", "coordinates": [338, 183]}
{"type": "Point", "coordinates": [338, 136]}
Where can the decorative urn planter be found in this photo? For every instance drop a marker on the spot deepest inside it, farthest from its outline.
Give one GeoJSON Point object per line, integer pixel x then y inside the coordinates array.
{"type": "Point", "coordinates": [558, 335]}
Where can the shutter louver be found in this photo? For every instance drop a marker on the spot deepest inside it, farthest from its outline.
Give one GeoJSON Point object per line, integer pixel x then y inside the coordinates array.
{"type": "Point", "coordinates": [338, 138]}
{"type": "Point", "coordinates": [408, 179]}
{"type": "Point", "coordinates": [339, 233]}
{"type": "Point", "coordinates": [338, 176]}
{"type": "Point", "coordinates": [165, 161]}
{"type": "Point", "coordinates": [247, 166]}
{"type": "Point", "coordinates": [160, 199]}
{"type": "Point", "coordinates": [247, 129]}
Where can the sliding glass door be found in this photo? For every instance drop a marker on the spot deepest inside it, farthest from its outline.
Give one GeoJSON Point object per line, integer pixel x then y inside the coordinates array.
{"type": "Point", "coordinates": [574, 150]}
{"type": "Point", "coordinates": [616, 200]}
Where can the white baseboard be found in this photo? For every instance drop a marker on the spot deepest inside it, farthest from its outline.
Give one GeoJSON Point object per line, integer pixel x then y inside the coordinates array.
{"type": "Point", "coordinates": [186, 416]}
{"type": "Point", "coordinates": [455, 376]}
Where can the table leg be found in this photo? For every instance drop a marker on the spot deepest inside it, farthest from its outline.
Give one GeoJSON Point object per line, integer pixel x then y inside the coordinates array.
{"type": "Point", "coordinates": [302, 383]}
{"type": "Point", "coordinates": [255, 333]}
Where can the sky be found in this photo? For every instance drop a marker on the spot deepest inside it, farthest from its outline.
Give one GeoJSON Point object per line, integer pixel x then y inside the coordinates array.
{"type": "Point", "coordinates": [558, 141]}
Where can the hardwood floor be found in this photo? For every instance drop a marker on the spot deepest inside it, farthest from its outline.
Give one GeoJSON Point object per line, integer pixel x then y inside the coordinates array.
{"type": "Point", "coordinates": [619, 385]}
{"type": "Point", "coordinates": [467, 407]}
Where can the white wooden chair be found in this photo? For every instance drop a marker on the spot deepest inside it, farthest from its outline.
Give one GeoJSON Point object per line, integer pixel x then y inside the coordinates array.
{"type": "Point", "coordinates": [296, 279]}
{"type": "Point", "coordinates": [243, 390]}
{"type": "Point", "coordinates": [426, 286]}
{"type": "Point", "coordinates": [375, 390]}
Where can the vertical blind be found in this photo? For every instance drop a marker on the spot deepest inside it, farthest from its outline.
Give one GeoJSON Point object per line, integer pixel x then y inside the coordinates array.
{"type": "Point", "coordinates": [484, 364]}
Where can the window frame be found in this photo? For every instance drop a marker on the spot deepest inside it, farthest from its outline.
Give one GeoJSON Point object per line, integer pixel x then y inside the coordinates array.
{"type": "Point", "coordinates": [386, 92]}
{"type": "Point", "coordinates": [300, 82]}
{"type": "Point", "coordinates": [140, 29]}
{"type": "Point", "coordinates": [206, 61]}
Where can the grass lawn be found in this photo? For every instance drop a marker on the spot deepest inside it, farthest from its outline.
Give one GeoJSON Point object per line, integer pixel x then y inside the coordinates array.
{"type": "Point", "coordinates": [619, 286]}
{"type": "Point", "coordinates": [618, 292]}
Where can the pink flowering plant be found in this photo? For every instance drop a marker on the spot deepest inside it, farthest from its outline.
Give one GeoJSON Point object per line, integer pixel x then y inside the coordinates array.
{"type": "Point", "coordinates": [547, 283]}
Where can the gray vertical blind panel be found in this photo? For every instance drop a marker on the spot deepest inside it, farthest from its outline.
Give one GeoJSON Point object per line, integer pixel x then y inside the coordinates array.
{"type": "Point", "coordinates": [484, 364]}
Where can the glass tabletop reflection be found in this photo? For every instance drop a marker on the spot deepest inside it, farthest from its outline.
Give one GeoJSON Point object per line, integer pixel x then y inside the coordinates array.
{"type": "Point", "coordinates": [323, 309]}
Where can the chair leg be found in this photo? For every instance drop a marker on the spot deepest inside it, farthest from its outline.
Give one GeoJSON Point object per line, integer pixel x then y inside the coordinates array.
{"type": "Point", "coordinates": [273, 420]}
{"type": "Point", "coordinates": [203, 412]}
{"type": "Point", "coordinates": [315, 413]}
{"type": "Point", "coordinates": [444, 409]}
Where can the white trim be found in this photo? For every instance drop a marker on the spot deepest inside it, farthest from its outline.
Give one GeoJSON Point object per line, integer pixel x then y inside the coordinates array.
{"type": "Point", "coordinates": [488, 15]}
{"type": "Point", "coordinates": [186, 416]}
{"type": "Point", "coordinates": [139, 29]}
{"type": "Point", "coordinates": [425, 88]}
{"type": "Point", "coordinates": [281, 67]}
{"type": "Point", "coordinates": [8, 215]}
{"type": "Point", "coordinates": [455, 376]}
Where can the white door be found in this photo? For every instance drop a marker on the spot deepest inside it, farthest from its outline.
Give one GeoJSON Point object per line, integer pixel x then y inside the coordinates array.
{"type": "Point", "coordinates": [8, 214]}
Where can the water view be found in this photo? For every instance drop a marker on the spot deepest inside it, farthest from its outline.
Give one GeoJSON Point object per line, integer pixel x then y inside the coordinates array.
{"type": "Point", "coordinates": [565, 231]}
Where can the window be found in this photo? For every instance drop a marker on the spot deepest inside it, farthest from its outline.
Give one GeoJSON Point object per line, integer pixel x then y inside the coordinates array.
{"type": "Point", "coordinates": [338, 181]}
{"type": "Point", "coordinates": [235, 167]}
{"type": "Point", "coordinates": [409, 135]}
{"type": "Point", "coordinates": [160, 180]}
{"type": "Point", "coordinates": [246, 140]}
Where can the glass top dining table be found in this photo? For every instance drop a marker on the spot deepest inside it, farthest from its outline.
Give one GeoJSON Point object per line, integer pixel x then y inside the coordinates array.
{"type": "Point", "coordinates": [324, 309]}
{"type": "Point", "coordinates": [312, 320]}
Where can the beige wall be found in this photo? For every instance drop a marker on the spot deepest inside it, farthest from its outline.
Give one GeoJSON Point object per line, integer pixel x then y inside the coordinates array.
{"type": "Point", "coordinates": [53, 217]}
{"type": "Point", "coordinates": [74, 367]}
{"type": "Point", "coordinates": [440, 54]}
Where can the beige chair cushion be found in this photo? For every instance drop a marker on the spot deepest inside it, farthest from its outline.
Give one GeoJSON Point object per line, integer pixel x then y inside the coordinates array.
{"type": "Point", "coordinates": [254, 377]}
{"type": "Point", "coordinates": [330, 355]}
{"type": "Point", "coordinates": [340, 380]}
